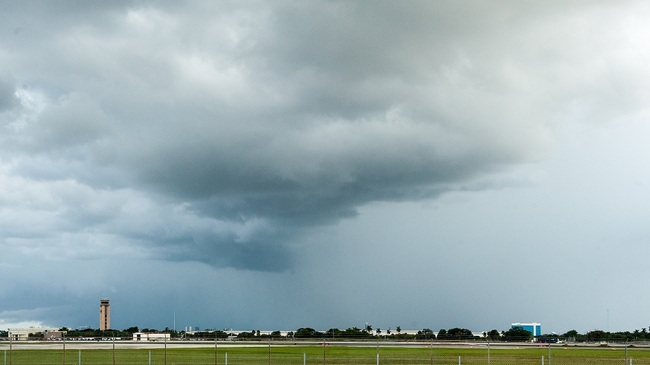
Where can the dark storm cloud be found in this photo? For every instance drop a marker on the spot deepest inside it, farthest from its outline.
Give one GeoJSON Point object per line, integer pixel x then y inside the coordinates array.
{"type": "Point", "coordinates": [244, 125]}
{"type": "Point", "coordinates": [244, 153]}
{"type": "Point", "coordinates": [294, 118]}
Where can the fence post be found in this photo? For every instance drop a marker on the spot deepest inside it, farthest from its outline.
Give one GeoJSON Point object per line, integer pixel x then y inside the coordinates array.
{"type": "Point", "coordinates": [549, 354]}
{"type": "Point", "coordinates": [459, 360]}
{"type": "Point", "coordinates": [226, 358]}
{"type": "Point", "coordinates": [64, 350]}
{"type": "Point", "coordinates": [304, 358]}
{"type": "Point", "coordinates": [149, 357]}
{"type": "Point", "coordinates": [79, 357]}
{"type": "Point", "coordinates": [542, 360]}
{"type": "Point", "coordinates": [216, 352]}
{"type": "Point", "coordinates": [489, 352]}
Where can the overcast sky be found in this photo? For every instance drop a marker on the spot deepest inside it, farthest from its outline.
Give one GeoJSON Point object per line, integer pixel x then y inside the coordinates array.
{"type": "Point", "coordinates": [284, 164]}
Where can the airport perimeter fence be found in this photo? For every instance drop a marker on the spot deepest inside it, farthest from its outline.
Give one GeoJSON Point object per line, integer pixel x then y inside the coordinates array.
{"type": "Point", "coordinates": [174, 353]}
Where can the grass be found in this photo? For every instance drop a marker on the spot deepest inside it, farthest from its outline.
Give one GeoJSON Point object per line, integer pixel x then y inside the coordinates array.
{"type": "Point", "coordinates": [330, 355]}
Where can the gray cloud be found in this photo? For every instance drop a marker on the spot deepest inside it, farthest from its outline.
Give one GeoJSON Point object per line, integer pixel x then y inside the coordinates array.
{"type": "Point", "coordinates": [8, 99]}
{"type": "Point", "coordinates": [287, 164]}
{"type": "Point", "coordinates": [222, 134]}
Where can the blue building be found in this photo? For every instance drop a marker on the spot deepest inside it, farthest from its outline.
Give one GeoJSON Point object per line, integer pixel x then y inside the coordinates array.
{"type": "Point", "coordinates": [534, 328]}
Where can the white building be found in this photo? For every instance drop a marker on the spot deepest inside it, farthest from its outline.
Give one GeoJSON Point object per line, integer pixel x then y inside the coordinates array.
{"type": "Point", "coordinates": [142, 336]}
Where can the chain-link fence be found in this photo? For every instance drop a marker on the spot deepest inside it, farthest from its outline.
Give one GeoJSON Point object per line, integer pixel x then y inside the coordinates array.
{"type": "Point", "coordinates": [218, 353]}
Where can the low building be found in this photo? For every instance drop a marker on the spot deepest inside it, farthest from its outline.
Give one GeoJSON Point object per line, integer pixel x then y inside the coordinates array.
{"type": "Point", "coordinates": [145, 336]}
{"type": "Point", "coordinates": [54, 335]}
{"type": "Point", "coordinates": [23, 334]}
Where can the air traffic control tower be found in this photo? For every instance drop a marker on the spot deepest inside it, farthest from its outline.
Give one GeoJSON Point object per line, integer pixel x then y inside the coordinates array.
{"type": "Point", "coordinates": [104, 315]}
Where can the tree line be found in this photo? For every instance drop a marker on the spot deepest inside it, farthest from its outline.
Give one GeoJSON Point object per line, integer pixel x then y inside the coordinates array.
{"type": "Point", "coordinates": [513, 334]}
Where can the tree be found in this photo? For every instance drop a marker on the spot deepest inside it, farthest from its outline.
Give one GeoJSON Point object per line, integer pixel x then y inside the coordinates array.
{"type": "Point", "coordinates": [571, 333]}
{"type": "Point", "coordinates": [425, 334]}
{"type": "Point", "coordinates": [493, 335]}
{"type": "Point", "coordinates": [368, 328]}
{"type": "Point", "coordinates": [460, 334]}
{"type": "Point", "coordinates": [220, 334]}
{"type": "Point", "coordinates": [354, 332]}
{"type": "Point", "coordinates": [246, 335]}
{"type": "Point", "coordinates": [596, 335]}
{"type": "Point", "coordinates": [333, 332]}
{"type": "Point", "coordinates": [517, 334]}
{"type": "Point", "coordinates": [307, 333]}
{"type": "Point", "coordinates": [398, 329]}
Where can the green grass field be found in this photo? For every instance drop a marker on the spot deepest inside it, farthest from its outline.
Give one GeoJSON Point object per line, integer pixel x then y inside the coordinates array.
{"type": "Point", "coordinates": [335, 355]}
